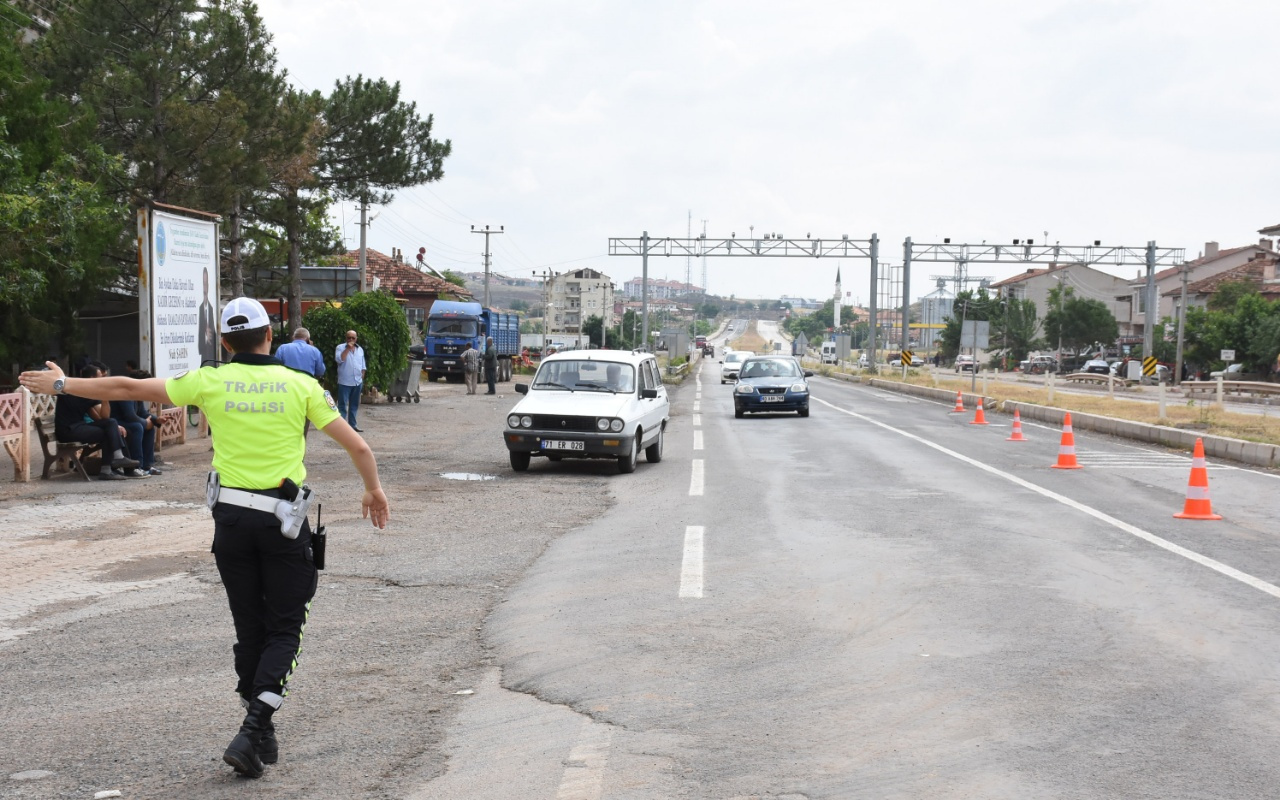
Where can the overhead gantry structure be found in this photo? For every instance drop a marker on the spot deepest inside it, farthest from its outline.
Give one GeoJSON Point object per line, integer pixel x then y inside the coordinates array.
{"type": "Point", "coordinates": [960, 254]}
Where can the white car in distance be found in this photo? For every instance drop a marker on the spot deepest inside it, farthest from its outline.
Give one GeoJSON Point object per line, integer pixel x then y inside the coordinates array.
{"type": "Point", "coordinates": [732, 363]}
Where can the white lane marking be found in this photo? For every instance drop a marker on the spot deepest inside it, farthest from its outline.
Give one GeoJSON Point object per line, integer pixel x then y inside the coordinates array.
{"type": "Point", "coordinates": [697, 420]}
{"type": "Point", "coordinates": [1191, 555]}
{"type": "Point", "coordinates": [696, 406]}
{"type": "Point", "coordinates": [583, 777]}
{"type": "Point", "coordinates": [691, 565]}
{"type": "Point", "coordinates": [696, 479]}
{"type": "Point", "coordinates": [697, 440]}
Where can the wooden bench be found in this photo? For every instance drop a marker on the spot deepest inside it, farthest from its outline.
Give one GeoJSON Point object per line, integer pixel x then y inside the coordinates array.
{"type": "Point", "coordinates": [69, 456]}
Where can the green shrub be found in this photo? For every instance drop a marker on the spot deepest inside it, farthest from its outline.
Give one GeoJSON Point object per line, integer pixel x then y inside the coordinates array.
{"type": "Point", "coordinates": [380, 323]}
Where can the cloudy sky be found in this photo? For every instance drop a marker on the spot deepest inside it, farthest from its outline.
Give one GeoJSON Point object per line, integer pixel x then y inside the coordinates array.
{"type": "Point", "coordinates": [574, 122]}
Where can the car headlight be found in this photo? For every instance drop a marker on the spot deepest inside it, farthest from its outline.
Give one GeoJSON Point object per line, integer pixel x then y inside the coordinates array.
{"type": "Point", "coordinates": [526, 422]}
{"type": "Point", "coordinates": [602, 424]}
{"type": "Point", "coordinates": [744, 388]}
{"type": "Point", "coordinates": [799, 388]}
{"type": "Point", "coordinates": [616, 425]}
{"type": "Point", "coordinates": [513, 421]}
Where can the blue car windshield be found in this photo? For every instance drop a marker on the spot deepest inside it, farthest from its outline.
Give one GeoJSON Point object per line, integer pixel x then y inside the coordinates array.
{"type": "Point", "coordinates": [446, 326]}
{"type": "Point", "coordinates": [769, 368]}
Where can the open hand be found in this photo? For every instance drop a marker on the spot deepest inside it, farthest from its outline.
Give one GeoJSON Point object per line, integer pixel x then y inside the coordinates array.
{"type": "Point", "coordinates": [41, 381]}
{"type": "Point", "coordinates": [375, 508]}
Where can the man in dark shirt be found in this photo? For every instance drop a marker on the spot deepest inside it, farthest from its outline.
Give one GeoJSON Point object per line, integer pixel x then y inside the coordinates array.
{"type": "Point", "coordinates": [73, 421]}
{"type": "Point", "coordinates": [490, 365]}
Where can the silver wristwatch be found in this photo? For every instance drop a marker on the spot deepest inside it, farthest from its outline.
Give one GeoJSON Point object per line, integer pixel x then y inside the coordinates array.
{"type": "Point", "coordinates": [59, 385]}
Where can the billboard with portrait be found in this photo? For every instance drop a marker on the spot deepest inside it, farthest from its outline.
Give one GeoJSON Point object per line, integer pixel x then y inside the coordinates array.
{"type": "Point", "coordinates": [184, 292]}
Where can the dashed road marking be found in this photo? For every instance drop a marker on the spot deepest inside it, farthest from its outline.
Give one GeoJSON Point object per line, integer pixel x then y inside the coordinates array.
{"type": "Point", "coordinates": [696, 478]}
{"type": "Point", "coordinates": [691, 564]}
{"type": "Point", "coordinates": [697, 420]}
{"type": "Point", "coordinates": [583, 777]}
{"type": "Point", "coordinates": [1165, 544]}
{"type": "Point", "coordinates": [697, 440]}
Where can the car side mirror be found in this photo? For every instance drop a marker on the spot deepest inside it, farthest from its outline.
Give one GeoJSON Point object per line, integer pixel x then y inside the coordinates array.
{"type": "Point", "coordinates": [808, 373]}
{"type": "Point", "coordinates": [649, 394]}
{"type": "Point", "coordinates": [522, 388]}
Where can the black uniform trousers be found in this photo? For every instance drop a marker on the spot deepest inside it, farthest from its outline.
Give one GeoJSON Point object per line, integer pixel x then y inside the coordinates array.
{"type": "Point", "coordinates": [270, 581]}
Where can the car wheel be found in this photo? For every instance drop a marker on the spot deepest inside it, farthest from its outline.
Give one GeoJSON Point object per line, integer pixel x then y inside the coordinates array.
{"type": "Point", "coordinates": [653, 453]}
{"type": "Point", "coordinates": [519, 461]}
{"type": "Point", "coordinates": [627, 463]}
{"type": "Point", "coordinates": [804, 412]}
{"type": "Point", "coordinates": [723, 381]}
{"type": "Point", "coordinates": [737, 413]}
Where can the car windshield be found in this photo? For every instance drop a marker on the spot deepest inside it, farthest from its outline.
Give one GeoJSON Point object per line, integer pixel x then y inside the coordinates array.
{"type": "Point", "coordinates": [446, 326]}
{"type": "Point", "coordinates": [770, 368]}
{"type": "Point", "coordinates": [730, 358]}
{"type": "Point", "coordinates": [586, 375]}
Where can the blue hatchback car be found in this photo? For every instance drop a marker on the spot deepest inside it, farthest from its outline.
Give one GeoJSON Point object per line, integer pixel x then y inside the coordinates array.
{"type": "Point", "coordinates": [771, 383]}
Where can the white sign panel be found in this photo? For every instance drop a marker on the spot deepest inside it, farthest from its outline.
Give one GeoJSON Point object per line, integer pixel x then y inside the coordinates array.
{"type": "Point", "coordinates": [1228, 355]}
{"type": "Point", "coordinates": [975, 333]}
{"type": "Point", "coordinates": [184, 292]}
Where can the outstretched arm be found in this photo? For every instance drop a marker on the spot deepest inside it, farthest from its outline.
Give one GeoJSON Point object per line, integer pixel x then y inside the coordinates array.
{"type": "Point", "coordinates": [373, 505]}
{"type": "Point", "coordinates": [116, 388]}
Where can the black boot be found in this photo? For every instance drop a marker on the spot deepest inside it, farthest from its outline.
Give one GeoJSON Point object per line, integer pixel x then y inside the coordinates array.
{"type": "Point", "coordinates": [268, 747]}
{"type": "Point", "coordinates": [242, 752]}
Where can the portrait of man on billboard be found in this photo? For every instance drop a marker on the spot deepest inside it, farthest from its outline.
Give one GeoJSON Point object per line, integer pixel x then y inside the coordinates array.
{"type": "Point", "coordinates": [207, 333]}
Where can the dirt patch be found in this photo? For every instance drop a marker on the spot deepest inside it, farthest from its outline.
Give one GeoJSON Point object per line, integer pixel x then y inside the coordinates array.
{"type": "Point", "coordinates": [750, 341]}
{"type": "Point", "coordinates": [149, 567]}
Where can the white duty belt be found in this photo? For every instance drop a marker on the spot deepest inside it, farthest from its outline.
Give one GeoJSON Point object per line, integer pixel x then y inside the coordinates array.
{"type": "Point", "coordinates": [291, 513]}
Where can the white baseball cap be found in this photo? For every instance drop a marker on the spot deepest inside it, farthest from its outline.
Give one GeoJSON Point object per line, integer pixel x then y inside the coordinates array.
{"type": "Point", "coordinates": [252, 311]}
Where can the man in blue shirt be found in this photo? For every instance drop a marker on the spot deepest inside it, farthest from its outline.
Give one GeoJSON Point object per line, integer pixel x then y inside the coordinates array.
{"type": "Point", "coordinates": [351, 369]}
{"type": "Point", "coordinates": [300, 354]}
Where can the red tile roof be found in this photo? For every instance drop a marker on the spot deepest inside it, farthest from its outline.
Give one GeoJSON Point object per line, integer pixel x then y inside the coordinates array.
{"type": "Point", "coordinates": [1251, 272]}
{"type": "Point", "coordinates": [399, 278]}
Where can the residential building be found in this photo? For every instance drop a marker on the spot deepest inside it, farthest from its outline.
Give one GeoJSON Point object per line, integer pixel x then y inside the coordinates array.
{"type": "Point", "coordinates": [1133, 316]}
{"type": "Point", "coordinates": [659, 289]}
{"type": "Point", "coordinates": [574, 297]}
{"type": "Point", "coordinates": [1260, 271]}
{"type": "Point", "coordinates": [1084, 282]}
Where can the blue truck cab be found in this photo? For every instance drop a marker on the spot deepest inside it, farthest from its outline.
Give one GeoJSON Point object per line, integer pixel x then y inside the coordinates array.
{"type": "Point", "coordinates": [452, 325]}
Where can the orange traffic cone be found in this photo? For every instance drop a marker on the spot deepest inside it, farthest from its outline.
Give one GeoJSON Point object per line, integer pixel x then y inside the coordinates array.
{"type": "Point", "coordinates": [1197, 505]}
{"type": "Point", "coordinates": [959, 409]}
{"type": "Point", "coordinates": [1067, 450]}
{"type": "Point", "coordinates": [979, 416]}
{"type": "Point", "coordinates": [1017, 428]}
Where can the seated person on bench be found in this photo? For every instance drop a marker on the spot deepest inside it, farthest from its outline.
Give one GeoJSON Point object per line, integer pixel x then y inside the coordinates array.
{"type": "Point", "coordinates": [74, 420]}
{"type": "Point", "coordinates": [141, 426]}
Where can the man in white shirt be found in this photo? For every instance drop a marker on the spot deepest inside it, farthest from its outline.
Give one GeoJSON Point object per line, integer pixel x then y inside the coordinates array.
{"type": "Point", "coordinates": [351, 369]}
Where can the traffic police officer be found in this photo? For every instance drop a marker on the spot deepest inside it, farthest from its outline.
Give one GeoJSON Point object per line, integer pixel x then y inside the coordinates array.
{"type": "Point", "coordinates": [258, 406]}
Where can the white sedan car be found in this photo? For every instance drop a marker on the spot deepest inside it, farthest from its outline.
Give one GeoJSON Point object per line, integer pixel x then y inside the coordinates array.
{"type": "Point", "coordinates": [590, 404]}
{"type": "Point", "coordinates": [732, 363]}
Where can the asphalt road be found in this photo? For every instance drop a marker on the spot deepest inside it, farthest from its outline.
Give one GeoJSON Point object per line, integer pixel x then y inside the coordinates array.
{"type": "Point", "coordinates": [880, 600]}
{"type": "Point", "coordinates": [883, 600]}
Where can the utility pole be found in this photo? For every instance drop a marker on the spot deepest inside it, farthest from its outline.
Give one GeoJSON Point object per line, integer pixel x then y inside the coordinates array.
{"type": "Point", "coordinates": [1182, 324]}
{"type": "Point", "coordinates": [906, 294]}
{"type": "Point", "coordinates": [875, 289]}
{"type": "Point", "coordinates": [364, 228]}
{"type": "Point", "coordinates": [1153, 311]}
{"type": "Point", "coordinates": [644, 288]}
{"type": "Point", "coordinates": [546, 276]}
{"type": "Point", "coordinates": [486, 233]}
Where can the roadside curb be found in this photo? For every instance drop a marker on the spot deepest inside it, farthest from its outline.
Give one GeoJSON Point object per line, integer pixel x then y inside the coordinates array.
{"type": "Point", "coordinates": [1254, 453]}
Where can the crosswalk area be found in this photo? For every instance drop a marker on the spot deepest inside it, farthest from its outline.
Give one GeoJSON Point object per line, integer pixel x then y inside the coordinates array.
{"type": "Point", "coordinates": [1136, 459]}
